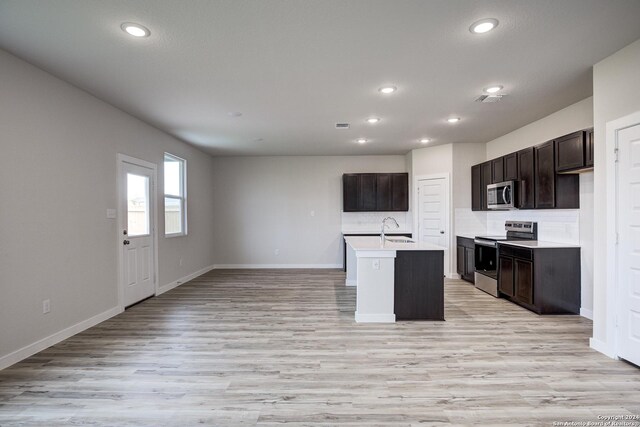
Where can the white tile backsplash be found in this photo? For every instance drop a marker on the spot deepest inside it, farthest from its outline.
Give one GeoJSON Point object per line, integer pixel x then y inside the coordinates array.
{"type": "Point", "coordinates": [469, 223]}
{"type": "Point", "coordinates": [370, 222]}
{"type": "Point", "coordinates": [562, 226]}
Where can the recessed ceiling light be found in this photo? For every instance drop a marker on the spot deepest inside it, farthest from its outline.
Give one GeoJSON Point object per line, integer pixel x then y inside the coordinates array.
{"type": "Point", "coordinates": [373, 120]}
{"type": "Point", "coordinates": [425, 140]}
{"type": "Point", "coordinates": [387, 89]}
{"type": "Point", "coordinates": [361, 141]}
{"type": "Point", "coordinates": [453, 119]}
{"type": "Point", "coordinates": [136, 30]}
{"type": "Point", "coordinates": [234, 114]}
{"type": "Point", "coordinates": [483, 25]}
{"type": "Point", "coordinates": [493, 89]}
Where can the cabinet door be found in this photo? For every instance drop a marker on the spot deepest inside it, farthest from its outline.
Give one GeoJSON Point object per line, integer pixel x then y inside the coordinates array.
{"type": "Point", "coordinates": [476, 188]}
{"type": "Point", "coordinates": [523, 275]}
{"type": "Point", "coordinates": [383, 192]}
{"type": "Point", "coordinates": [526, 185]}
{"type": "Point", "coordinates": [505, 275]}
{"type": "Point", "coordinates": [570, 152]}
{"type": "Point", "coordinates": [545, 174]}
{"type": "Point", "coordinates": [350, 192]}
{"type": "Point", "coordinates": [485, 179]}
{"type": "Point", "coordinates": [368, 192]}
{"type": "Point", "coordinates": [511, 167]}
{"type": "Point", "coordinates": [400, 192]}
{"type": "Point", "coordinates": [588, 148]}
{"type": "Point", "coordinates": [460, 260]}
{"type": "Point", "coordinates": [497, 167]}
{"type": "Point", "coordinates": [469, 264]}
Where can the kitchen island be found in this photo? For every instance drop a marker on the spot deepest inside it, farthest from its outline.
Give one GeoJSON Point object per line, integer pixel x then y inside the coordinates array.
{"type": "Point", "coordinates": [398, 280]}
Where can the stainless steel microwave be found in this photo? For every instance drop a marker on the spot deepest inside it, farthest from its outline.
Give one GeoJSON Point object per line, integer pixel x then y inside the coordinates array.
{"type": "Point", "coordinates": [501, 195]}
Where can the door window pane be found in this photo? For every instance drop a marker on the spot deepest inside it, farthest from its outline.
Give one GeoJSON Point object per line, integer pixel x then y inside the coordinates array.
{"type": "Point", "coordinates": [172, 215]}
{"type": "Point", "coordinates": [137, 205]}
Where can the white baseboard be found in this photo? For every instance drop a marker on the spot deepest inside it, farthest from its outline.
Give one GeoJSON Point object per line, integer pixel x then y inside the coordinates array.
{"type": "Point", "coordinates": [164, 288]}
{"type": "Point", "coordinates": [350, 282]}
{"type": "Point", "coordinates": [585, 312]}
{"type": "Point", "coordinates": [274, 266]}
{"type": "Point", "coordinates": [375, 318]}
{"type": "Point", "coordinates": [602, 347]}
{"type": "Point", "coordinates": [31, 349]}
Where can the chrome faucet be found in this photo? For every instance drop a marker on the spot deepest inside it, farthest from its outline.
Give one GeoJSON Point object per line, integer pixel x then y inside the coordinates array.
{"type": "Point", "coordinates": [384, 224]}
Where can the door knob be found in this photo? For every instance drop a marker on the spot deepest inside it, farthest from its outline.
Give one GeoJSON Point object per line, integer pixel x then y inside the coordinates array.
{"type": "Point", "coordinates": [441, 231]}
{"type": "Point", "coordinates": [126, 242]}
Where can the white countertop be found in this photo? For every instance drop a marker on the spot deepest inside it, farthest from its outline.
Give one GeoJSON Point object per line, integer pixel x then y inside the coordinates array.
{"type": "Point", "coordinates": [372, 243]}
{"type": "Point", "coordinates": [467, 236]}
{"type": "Point", "coordinates": [538, 244]}
{"type": "Point", "coordinates": [370, 231]}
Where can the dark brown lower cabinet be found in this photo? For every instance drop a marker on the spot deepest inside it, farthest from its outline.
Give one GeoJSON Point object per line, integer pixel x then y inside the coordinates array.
{"type": "Point", "coordinates": [543, 280]}
{"type": "Point", "coordinates": [505, 271]}
{"type": "Point", "coordinates": [419, 285]}
{"type": "Point", "coordinates": [465, 258]}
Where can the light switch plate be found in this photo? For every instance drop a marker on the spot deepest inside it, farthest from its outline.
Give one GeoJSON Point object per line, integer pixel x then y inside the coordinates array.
{"type": "Point", "coordinates": [111, 213]}
{"type": "Point", "coordinates": [376, 264]}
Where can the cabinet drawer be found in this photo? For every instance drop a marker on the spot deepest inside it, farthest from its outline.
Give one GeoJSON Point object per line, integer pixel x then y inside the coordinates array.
{"type": "Point", "coordinates": [512, 251]}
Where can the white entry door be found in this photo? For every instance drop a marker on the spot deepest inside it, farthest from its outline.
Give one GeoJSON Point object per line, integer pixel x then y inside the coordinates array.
{"type": "Point", "coordinates": [629, 243]}
{"type": "Point", "coordinates": [137, 231]}
{"type": "Point", "coordinates": [433, 213]}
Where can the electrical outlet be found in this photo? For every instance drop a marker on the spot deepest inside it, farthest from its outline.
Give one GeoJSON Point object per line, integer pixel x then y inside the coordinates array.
{"type": "Point", "coordinates": [46, 306]}
{"type": "Point", "coordinates": [376, 264]}
{"type": "Point", "coordinates": [277, 251]}
{"type": "Point", "coordinates": [180, 262]}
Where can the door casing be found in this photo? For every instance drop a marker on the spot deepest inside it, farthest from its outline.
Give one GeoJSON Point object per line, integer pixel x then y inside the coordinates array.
{"type": "Point", "coordinates": [121, 160]}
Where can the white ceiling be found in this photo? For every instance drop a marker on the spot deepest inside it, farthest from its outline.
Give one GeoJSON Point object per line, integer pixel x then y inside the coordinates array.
{"type": "Point", "coordinates": [296, 67]}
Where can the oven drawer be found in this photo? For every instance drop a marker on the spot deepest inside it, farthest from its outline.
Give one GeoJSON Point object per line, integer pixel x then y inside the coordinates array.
{"type": "Point", "coordinates": [512, 251]}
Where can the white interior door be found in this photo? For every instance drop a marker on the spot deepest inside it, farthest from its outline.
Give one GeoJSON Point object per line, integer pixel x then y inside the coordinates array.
{"type": "Point", "coordinates": [433, 214]}
{"type": "Point", "coordinates": [629, 243]}
{"type": "Point", "coordinates": [137, 232]}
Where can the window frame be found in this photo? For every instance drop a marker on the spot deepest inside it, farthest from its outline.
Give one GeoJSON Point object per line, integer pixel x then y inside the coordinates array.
{"type": "Point", "coordinates": [182, 198]}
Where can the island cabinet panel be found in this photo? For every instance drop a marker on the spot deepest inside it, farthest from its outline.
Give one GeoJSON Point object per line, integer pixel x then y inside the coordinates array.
{"type": "Point", "coordinates": [570, 152]}
{"type": "Point", "coordinates": [526, 179]}
{"type": "Point", "coordinates": [371, 192]}
{"type": "Point", "coordinates": [419, 285]}
{"type": "Point", "coordinates": [543, 280]}
{"type": "Point", "coordinates": [399, 192]}
{"type": "Point", "coordinates": [545, 173]}
{"type": "Point", "coordinates": [511, 167]}
{"type": "Point", "coordinates": [485, 179]}
{"type": "Point", "coordinates": [588, 148]}
{"type": "Point", "coordinates": [351, 192]}
{"type": "Point", "coordinates": [477, 196]}
{"type": "Point", "coordinates": [497, 170]}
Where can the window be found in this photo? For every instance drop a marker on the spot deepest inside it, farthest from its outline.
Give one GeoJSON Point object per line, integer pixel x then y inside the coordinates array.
{"type": "Point", "coordinates": [175, 196]}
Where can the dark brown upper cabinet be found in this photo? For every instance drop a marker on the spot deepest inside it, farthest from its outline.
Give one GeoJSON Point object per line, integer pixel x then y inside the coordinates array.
{"type": "Point", "coordinates": [399, 191]}
{"type": "Point", "coordinates": [544, 174]}
{"type": "Point", "coordinates": [486, 176]}
{"type": "Point", "coordinates": [477, 195]}
{"type": "Point", "coordinates": [497, 170]}
{"type": "Point", "coordinates": [511, 167]}
{"type": "Point", "coordinates": [370, 192]}
{"type": "Point", "coordinates": [351, 192]}
{"type": "Point", "coordinates": [526, 179]}
{"type": "Point", "coordinates": [570, 152]}
{"type": "Point", "coordinates": [588, 149]}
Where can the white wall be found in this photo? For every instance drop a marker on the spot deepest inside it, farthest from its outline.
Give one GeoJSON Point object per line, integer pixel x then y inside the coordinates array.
{"type": "Point", "coordinates": [616, 93]}
{"type": "Point", "coordinates": [57, 178]}
{"type": "Point", "coordinates": [264, 204]}
{"type": "Point", "coordinates": [466, 221]}
{"type": "Point", "coordinates": [556, 225]}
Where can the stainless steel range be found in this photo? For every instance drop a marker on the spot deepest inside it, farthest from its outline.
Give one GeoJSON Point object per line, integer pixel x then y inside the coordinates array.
{"type": "Point", "coordinates": [486, 253]}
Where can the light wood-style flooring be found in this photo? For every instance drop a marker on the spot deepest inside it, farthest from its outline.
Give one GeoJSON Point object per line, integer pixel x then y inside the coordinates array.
{"type": "Point", "coordinates": [274, 347]}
